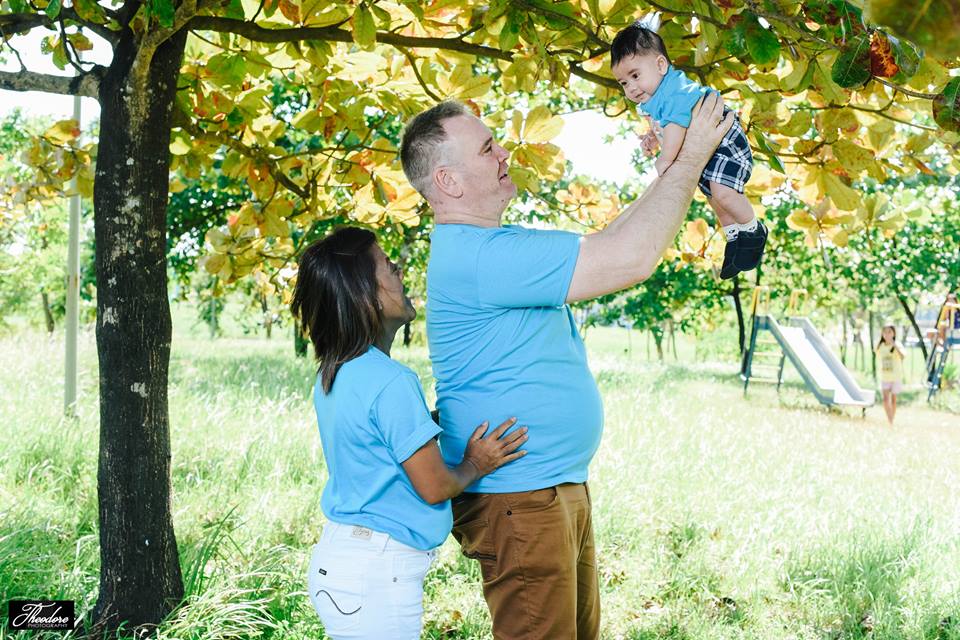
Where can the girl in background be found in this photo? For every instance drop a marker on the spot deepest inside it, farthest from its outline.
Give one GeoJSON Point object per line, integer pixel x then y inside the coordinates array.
{"type": "Point", "coordinates": [891, 356]}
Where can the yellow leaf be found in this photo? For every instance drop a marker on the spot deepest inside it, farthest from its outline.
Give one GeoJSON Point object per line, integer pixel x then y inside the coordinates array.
{"type": "Point", "coordinates": [463, 85]}
{"type": "Point", "coordinates": [63, 132]}
{"type": "Point", "coordinates": [218, 240]}
{"type": "Point", "coordinates": [842, 196]}
{"type": "Point", "coordinates": [801, 220]}
{"type": "Point", "coordinates": [853, 157]}
{"type": "Point", "coordinates": [214, 263]}
{"type": "Point", "coordinates": [541, 125]}
{"type": "Point", "coordinates": [800, 122]}
{"type": "Point", "coordinates": [180, 146]}
{"type": "Point", "coordinates": [365, 207]}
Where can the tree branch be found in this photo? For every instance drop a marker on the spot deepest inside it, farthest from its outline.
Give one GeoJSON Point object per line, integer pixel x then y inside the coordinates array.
{"type": "Point", "coordinates": [87, 85]}
{"type": "Point", "coordinates": [257, 33]}
{"type": "Point", "coordinates": [23, 22]}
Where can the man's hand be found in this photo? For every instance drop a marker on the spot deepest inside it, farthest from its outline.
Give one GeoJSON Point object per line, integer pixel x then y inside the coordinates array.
{"type": "Point", "coordinates": [706, 130]}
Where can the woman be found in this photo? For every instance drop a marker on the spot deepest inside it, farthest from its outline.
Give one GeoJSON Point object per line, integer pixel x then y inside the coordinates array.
{"type": "Point", "coordinates": [387, 497]}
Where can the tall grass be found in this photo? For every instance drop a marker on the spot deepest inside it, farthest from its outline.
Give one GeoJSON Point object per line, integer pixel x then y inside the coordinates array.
{"type": "Point", "coordinates": [715, 516]}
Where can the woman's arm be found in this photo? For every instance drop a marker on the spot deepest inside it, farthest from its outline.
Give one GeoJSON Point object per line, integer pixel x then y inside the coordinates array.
{"type": "Point", "coordinates": [435, 482]}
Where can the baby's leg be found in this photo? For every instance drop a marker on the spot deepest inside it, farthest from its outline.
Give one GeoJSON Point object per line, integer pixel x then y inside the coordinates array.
{"type": "Point", "coordinates": [733, 204]}
{"type": "Point", "coordinates": [725, 218]}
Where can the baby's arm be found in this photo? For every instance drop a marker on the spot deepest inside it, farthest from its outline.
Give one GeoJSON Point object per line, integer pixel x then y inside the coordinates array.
{"type": "Point", "coordinates": [673, 135]}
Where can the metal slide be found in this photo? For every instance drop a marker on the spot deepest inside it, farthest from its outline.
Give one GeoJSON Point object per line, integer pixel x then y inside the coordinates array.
{"type": "Point", "coordinates": [825, 376]}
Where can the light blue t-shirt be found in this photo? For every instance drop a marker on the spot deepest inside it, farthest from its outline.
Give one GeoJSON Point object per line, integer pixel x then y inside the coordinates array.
{"type": "Point", "coordinates": [373, 419]}
{"type": "Point", "coordinates": [503, 343]}
{"type": "Point", "coordinates": [674, 99]}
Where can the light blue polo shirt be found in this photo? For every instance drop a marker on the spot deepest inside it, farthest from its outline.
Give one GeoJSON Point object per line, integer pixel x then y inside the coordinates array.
{"type": "Point", "coordinates": [674, 99]}
{"type": "Point", "coordinates": [503, 343]}
{"type": "Point", "coordinates": [373, 419]}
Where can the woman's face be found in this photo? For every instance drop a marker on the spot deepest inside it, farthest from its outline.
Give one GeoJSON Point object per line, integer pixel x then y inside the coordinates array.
{"type": "Point", "coordinates": [888, 334]}
{"type": "Point", "coordinates": [395, 304]}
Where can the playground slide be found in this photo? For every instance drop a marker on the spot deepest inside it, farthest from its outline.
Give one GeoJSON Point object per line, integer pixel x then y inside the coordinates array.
{"type": "Point", "coordinates": [824, 374]}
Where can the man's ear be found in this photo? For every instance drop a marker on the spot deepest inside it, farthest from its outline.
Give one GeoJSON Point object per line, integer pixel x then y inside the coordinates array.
{"type": "Point", "coordinates": [445, 181]}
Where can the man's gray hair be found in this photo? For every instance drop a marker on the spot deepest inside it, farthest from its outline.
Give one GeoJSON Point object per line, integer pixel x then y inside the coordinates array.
{"type": "Point", "coordinates": [423, 137]}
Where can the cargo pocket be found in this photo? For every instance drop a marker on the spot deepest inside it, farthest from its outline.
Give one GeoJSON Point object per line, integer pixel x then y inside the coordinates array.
{"type": "Point", "coordinates": [336, 591]}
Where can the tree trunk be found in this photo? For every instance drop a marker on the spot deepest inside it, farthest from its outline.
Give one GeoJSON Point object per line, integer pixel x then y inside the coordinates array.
{"type": "Point", "coordinates": [300, 344]}
{"type": "Point", "coordinates": [913, 321]}
{"type": "Point", "coordinates": [658, 340]}
{"type": "Point", "coordinates": [267, 315]}
{"type": "Point", "coordinates": [47, 313]}
{"type": "Point", "coordinates": [140, 578]}
{"type": "Point", "coordinates": [873, 344]}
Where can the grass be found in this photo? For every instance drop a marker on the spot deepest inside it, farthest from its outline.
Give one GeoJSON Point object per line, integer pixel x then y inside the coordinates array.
{"type": "Point", "coordinates": [716, 517]}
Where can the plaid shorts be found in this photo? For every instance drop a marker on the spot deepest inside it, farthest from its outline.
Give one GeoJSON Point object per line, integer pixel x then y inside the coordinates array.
{"type": "Point", "coordinates": [731, 164]}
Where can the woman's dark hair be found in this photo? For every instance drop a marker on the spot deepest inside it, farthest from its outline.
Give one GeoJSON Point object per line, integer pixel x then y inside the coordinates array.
{"type": "Point", "coordinates": [636, 40]}
{"type": "Point", "coordinates": [335, 298]}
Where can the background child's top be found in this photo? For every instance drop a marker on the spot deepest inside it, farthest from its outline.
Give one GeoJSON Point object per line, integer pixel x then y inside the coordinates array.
{"type": "Point", "coordinates": [891, 363]}
{"type": "Point", "coordinates": [674, 99]}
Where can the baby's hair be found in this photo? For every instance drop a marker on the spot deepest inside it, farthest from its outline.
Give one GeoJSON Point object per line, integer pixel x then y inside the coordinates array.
{"type": "Point", "coordinates": [636, 40]}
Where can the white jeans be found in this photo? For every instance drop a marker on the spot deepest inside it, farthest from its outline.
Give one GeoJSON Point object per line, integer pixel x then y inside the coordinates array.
{"type": "Point", "coordinates": [366, 585]}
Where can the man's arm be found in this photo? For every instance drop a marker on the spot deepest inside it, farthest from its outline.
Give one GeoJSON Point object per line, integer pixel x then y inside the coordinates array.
{"type": "Point", "coordinates": [627, 251]}
{"type": "Point", "coordinates": [673, 135]}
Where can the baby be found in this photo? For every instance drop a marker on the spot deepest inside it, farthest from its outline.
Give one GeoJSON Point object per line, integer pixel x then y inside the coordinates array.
{"type": "Point", "coordinates": [664, 95]}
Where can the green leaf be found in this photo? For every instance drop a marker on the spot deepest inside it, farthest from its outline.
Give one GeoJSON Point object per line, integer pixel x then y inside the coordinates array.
{"type": "Point", "coordinates": [768, 151]}
{"type": "Point", "coordinates": [852, 68]}
{"type": "Point", "coordinates": [164, 11]}
{"type": "Point", "coordinates": [19, 6]}
{"type": "Point", "coordinates": [736, 41]}
{"type": "Point", "coordinates": [510, 34]}
{"type": "Point", "coordinates": [946, 106]}
{"type": "Point", "coordinates": [53, 10]}
{"type": "Point", "coordinates": [762, 44]}
{"type": "Point", "coordinates": [364, 29]}
{"type": "Point", "coordinates": [227, 69]}
{"type": "Point", "coordinates": [235, 10]}
{"type": "Point", "coordinates": [60, 56]}
{"type": "Point", "coordinates": [907, 57]}
{"type": "Point", "coordinates": [90, 11]}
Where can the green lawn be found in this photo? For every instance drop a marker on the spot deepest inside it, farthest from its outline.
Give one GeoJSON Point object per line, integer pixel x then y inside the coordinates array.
{"type": "Point", "coordinates": [716, 517]}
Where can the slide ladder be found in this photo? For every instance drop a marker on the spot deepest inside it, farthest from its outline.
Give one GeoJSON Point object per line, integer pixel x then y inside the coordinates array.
{"type": "Point", "coordinates": [940, 351]}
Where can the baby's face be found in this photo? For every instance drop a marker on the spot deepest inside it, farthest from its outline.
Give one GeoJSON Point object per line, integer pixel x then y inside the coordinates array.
{"type": "Point", "coordinates": [640, 75]}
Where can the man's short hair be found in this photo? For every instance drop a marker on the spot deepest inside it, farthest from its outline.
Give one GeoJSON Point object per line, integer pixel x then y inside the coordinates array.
{"type": "Point", "coordinates": [422, 139]}
{"type": "Point", "coordinates": [636, 40]}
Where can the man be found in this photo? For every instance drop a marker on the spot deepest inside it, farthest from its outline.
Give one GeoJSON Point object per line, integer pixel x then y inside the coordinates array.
{"type": "Point", "coordinates": [503, 343]}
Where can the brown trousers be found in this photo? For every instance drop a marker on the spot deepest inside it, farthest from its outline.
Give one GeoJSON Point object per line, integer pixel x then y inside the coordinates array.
{"type": "Point", "coordinates": [538, 560]}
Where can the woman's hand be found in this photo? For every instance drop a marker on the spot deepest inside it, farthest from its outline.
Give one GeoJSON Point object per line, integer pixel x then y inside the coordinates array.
{"type": "Point", "coordinates": [490, 452]}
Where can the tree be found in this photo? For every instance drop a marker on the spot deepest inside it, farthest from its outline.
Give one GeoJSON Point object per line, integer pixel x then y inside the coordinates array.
{"type": "Point", "coordinates": [821, 89]}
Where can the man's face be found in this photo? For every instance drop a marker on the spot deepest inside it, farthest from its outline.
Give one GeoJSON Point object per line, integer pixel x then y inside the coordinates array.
{"type": "Point", "coordinates": [478, 162]}
{"type": "Point", "coordinates": [640, 75]}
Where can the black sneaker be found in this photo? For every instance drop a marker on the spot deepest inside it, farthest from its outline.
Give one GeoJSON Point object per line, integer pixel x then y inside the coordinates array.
{"type": "Point", "coordinates": [750, 248]}
{"type": "Point", "coordinates": [729, 269]}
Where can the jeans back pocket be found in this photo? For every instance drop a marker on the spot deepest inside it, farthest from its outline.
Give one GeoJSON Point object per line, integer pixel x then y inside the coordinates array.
{"type": "Point", "coordinates": [336, 591]}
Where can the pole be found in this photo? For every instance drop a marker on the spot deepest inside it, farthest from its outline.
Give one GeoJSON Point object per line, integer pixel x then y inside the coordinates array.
{"type": "Point", "coordinates": [73, 291]}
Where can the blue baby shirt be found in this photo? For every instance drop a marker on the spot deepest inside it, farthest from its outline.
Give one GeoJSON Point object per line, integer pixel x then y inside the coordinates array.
{"type": "Point", "coordinates": [674, 99]}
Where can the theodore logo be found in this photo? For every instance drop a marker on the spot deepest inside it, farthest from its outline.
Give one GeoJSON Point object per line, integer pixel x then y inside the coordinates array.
{"type": "Point", "coordinates": [40, 614]}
